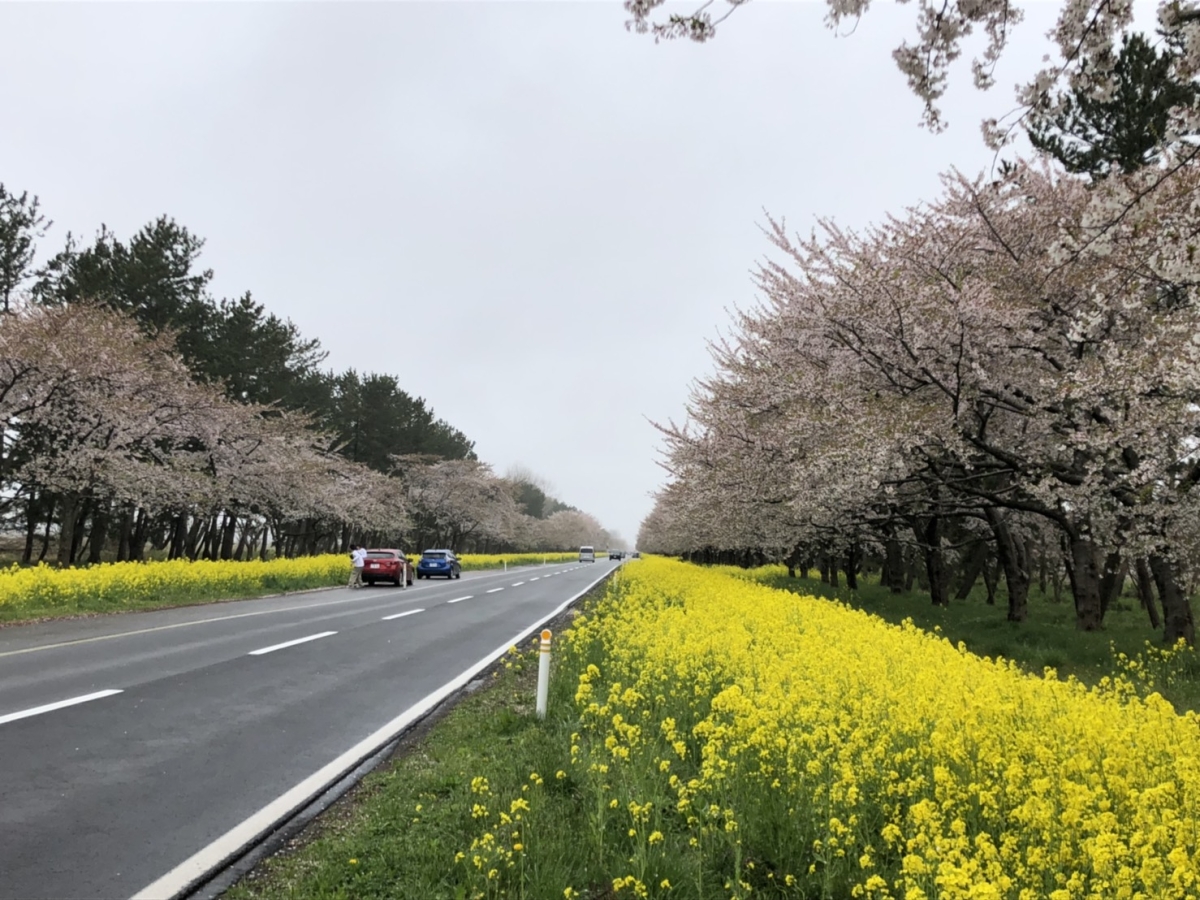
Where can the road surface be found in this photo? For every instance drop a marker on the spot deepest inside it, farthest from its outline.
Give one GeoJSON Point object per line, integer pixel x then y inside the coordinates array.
{"type": "Point", "coordinates": [130, 742]}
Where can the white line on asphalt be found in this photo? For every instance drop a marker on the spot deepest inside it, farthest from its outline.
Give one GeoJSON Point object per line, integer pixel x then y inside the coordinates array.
{"type": "Point", "coordinates": [303, 640]}
{"type": "Point", "coordinates": [460, 599]}
{"type": "Point", "coordinates": [203, 861]}
{"type": "Point", "coordinates": [535, 577]}
{"type": "Point", "coordinates": [518, 584]}
{"type": "Point", "coordinates": [49, 707]}
{"type": "Point", "coordinates": [493, 590]}
{"type": "Point", "coordinates": [411, 612]}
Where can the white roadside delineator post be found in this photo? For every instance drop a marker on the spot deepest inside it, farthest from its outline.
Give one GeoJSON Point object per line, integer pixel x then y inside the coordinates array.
{"type": "Point", "coordinates": [543, 687]}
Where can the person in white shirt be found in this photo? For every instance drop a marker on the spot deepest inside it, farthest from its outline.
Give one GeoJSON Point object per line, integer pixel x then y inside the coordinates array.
{"type": "Point", "coordinates": [358, 559]}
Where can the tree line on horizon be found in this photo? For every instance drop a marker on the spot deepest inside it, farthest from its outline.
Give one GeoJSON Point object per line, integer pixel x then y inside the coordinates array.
{"type": "Point", "coordinates": [141, 416]}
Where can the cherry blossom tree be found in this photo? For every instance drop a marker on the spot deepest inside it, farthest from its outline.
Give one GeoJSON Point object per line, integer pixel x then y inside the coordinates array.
{"type": "Point", "coordinates": [1086, 34]}
{"type": "Point", "coordinates": [1012, 350]}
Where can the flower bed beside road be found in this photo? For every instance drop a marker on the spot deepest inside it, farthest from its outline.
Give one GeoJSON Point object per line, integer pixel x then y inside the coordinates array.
{"type": "Point", "coordinates": [40, 592]}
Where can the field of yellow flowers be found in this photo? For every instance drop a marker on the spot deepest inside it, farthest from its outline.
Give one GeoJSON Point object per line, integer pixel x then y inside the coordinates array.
{"type": "Point", "coordinates": [731, 740]}
{"type": "Point", "coordinates": [474, 561]}
{"type": "Point", "coordinates": [107, 587]}
{"type": "Point", "coordinates": [46, 591]}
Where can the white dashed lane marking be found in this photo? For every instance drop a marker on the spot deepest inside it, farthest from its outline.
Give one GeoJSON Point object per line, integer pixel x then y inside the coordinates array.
{"type": "Point", "coordinates": [493, 590]}
{"type": "Point", "coordinates": [285, 644]}
{"type": "Point", "coordinates": [50, 707]}
{"type": "Point", "coordinates": [411, 612]}
{"type": "Point", "coordinates": [460, 599]}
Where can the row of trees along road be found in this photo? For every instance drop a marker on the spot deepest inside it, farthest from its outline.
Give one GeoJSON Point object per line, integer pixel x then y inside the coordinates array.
{"type": "Point", "coordinates": [141, 415]}
{"type": "Point", "coordinates": [1003, 382]}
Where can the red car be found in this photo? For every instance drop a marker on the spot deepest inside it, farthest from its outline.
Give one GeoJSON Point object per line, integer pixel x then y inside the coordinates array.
{"type": "Point", "coordinates": [387, 565]}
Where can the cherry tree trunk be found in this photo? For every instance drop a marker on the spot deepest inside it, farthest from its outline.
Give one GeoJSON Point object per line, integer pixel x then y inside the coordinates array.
{"type": "Point", "coordinates": [141, 533]}
{"type": "Point", "coordinates": [124, 534]}
{"type": "Point", "coordinates": [227, 536]}
{"type": "Point", "coordinates": [68, 519]}
{"type": "Point", "coordinates": [46, 534]}
{"type": "Point", "coordinates": [99, 533]}
{"type": "Point", "coordinates": [989, 582]}
{"type": "Point", "coordinates": [1083, 568]}
{"type": "Point", "coordinates": [894, 567]}
{"type": "Point", "coordinates": [929, 536]}
{"type": "Point", "coordinates": [1042, 554]}
{"type": "Point", "coordinates": [81, 516]}
{"type": "Point", "coordinates": [853, 558]}
{"type": "Point", "coordinates": [245, 537]}
{"type": "Point", "coordinates": [1116, 570]}
{"type": "Point", "coordinates": [1014, 559]}
{"type": "Point", "coordinates": [973, 566]}
{"type": "Point", "coordinates": [179, 535]}
{"type": "Point", "coordinates": [1145, 588]}
{"type": "Point", "coordinates": [1177, 610]}
{"type": "Point", "coordinates": [33, 511]}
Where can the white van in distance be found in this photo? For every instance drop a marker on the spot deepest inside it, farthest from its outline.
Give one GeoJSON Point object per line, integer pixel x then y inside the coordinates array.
{"type": "Point", "coordinates": [587, 554]}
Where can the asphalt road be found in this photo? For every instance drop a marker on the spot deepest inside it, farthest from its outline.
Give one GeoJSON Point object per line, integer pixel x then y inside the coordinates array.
{"type": "Point", "coordinates": [209, 719]}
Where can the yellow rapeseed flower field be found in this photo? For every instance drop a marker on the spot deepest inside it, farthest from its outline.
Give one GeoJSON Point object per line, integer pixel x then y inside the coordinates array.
{"type": "Point", "coordinates": [473, 561]}
{"type": "Point", "coordinates": [44, 590]}
{"type": "Point", "coordinates": [132, 585]}
{"type": "Point", "coordinates": [799, 748]}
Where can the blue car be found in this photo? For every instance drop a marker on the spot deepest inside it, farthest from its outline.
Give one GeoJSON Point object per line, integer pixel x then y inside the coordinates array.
{"type": "Point", "coordinates": [439, 562]}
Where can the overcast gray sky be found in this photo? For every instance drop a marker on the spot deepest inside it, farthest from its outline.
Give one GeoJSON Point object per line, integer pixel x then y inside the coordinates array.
{"type": "Point", "coordinates": [554, 212]}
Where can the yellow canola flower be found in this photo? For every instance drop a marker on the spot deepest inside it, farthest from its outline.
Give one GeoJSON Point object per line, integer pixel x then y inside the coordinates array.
{"type": "Point", "coordinates": [108, 586]}
{"type": "Point", "coordinates": [881, 760]}
{"type": "Point", "coordinates": [474, 561]}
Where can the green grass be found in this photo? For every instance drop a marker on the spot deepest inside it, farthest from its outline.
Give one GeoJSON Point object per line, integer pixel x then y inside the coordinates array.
{"type": "Point", "coordinates": [1048, 637]}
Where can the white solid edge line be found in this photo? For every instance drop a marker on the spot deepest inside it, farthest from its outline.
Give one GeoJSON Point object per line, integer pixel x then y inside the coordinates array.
{"type": "Point", "coordinates": [50, 707]}
{"type": "Point", "coordinates": [303, 640]}
{"type": "Point", "coordinates": [460, 599]}
{"type": "Point", "coordinates": [411, 612]}
{"type": "Point", "coordinates": [199, 864]}
{"type": "Point", "coordinates": [493, 590]}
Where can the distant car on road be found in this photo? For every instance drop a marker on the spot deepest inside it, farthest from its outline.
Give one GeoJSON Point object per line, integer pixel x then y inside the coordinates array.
{"type": "Point", "coordinates": [439, 562]}
{"type": "Point", "coordinates": [615, 554]}
{"type": "Point", "coordinates": [387, 565]}
{"type": "Point", "coordinates": [587, 554]}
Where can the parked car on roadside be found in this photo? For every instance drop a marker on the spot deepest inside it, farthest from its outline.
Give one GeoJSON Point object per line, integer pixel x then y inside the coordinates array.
{"type": "Point", "coordinates": [387, 565]}
{"type": "Point", "coordinates": [439, 563]}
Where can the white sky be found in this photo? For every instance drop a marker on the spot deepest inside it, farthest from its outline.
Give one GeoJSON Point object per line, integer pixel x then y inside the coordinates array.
{"type": "Point", "coordinates": [532, 217]}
